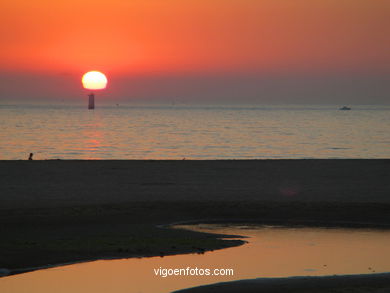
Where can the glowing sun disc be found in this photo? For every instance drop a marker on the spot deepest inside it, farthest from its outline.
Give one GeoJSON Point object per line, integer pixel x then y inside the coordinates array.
{"type": "Point", "coordinates": [94, 80]}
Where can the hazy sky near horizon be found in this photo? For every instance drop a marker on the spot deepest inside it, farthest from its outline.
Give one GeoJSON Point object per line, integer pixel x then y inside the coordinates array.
{"type": "Point", "coordinates": [315, 51]}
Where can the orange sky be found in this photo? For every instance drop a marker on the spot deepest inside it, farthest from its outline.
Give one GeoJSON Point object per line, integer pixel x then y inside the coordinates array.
{"type": "Point", "coordinates": [141, 36]}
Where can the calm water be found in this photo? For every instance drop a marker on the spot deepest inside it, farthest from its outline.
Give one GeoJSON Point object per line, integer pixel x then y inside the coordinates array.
{"type": "Point", "coordinates": [193, 132]}
{"type": "Point", "coordinates": [271, 252]}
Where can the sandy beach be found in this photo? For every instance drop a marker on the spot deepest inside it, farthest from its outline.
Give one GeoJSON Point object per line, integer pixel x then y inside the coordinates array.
{"type": "Point", "coordinates": [49, 184]}
{"type": "Point", "coordinates": [379, 283]}
{"type": "Point", "coordinates": [54, 212]}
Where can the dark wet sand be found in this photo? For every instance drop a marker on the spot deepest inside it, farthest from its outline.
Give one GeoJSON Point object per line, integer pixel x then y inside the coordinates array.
{"type": "Point", "coordinates": [379, 283]}
{"type": "Point", "coordinates": [68, 183]}
{"type": "Point", "coordinates": [62, 211]}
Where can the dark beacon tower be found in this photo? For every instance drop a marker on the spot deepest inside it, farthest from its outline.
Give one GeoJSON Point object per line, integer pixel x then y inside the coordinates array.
{"type": "Point", "coordinates": [91, 101]}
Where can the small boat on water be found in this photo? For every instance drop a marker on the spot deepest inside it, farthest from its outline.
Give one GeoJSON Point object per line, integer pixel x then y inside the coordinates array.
{"type": "Point", "coordinates": [345, 108]}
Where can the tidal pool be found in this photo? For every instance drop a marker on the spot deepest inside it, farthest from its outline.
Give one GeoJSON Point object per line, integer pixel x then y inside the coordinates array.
{"type": "Point", "coordinates": [270, 252]}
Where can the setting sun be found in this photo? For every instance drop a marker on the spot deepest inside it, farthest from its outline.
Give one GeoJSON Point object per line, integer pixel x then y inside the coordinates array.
{"type": "Point", "coordinates": [94, 80]}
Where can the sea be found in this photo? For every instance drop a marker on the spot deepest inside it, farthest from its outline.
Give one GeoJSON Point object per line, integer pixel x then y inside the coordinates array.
{"type": "Point", "coordinates": [194, 132]}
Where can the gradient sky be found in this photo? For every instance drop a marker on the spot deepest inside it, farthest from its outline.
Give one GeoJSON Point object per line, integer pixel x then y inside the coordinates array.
{"type": "Point", "coordinates": [264, 50]}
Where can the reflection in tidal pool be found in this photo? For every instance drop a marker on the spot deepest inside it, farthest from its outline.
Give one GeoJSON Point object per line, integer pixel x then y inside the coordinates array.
{"type": "Point", "coordinates": [270, 252]}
